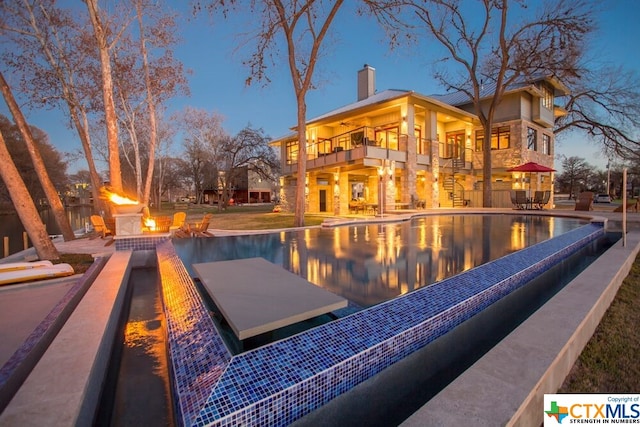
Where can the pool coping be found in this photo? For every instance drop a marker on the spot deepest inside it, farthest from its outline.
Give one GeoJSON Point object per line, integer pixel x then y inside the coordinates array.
{"type": "Point", "coordinates": [260, 387]}
{"type": "Point", "coordinates": [537, 356]}
{"type": "Point", "coordinates": [69, 394]}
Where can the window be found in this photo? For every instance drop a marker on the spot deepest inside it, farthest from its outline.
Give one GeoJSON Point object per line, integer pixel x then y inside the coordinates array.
{"type": "Point", "coordinates": [292, 152]}
{"type": "Point", "coordinates": [387, 138]}
{"type": "Point", "coordinates": [546, 144]}
{"type": "Point", "coordinates": [421, 145]}
{"type": "Point", "coordinates": [499, 138]}
{"type": "Point", "coordinates": [454, 147]}
{"type": "Point", "coordinates": [547, 95]}
{"type": "Point", "coordinates": [532, 136]}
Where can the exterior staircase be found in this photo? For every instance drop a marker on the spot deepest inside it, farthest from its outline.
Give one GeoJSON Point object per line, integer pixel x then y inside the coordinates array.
{"type": "Point", "coordinates": [452, 186]}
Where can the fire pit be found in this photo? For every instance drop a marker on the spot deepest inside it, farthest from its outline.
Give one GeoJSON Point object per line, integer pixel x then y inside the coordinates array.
{"type": "Point", "coordinates": [127, 213]}
{"type": "Point", "coordinates": [135, 229]}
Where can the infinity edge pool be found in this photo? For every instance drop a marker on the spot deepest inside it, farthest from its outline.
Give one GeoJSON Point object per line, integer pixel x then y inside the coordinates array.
{"type": "Point", "coordinates": [281, 382]}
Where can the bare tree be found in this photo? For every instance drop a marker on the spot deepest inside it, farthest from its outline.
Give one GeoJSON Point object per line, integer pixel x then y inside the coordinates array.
{"type": "Point", "coordinates": [163, 176]}
{"type": "Point", "coordinates": [493, 44]}
{"type": "Point", "coordinates": [604, 105]}
{"type": "Point", "coordinates": [202, 132]}
{"type": "Point", "coordinates": [49, 56]}
{"type": "Point", "coordinates": [27, 211]}
{"type": "Point", "coordinates": [38, 164]}
{"type": "Point", "coordinates": [304, 26]}
{"type": "Point", "coordinates": [575, 174]}
{"type": "Point", "coordinates": [111, 120]}
{"type": "Point", "coordinates": [146, 74]}
{"type": "Point", "coordinates": [248, 151]}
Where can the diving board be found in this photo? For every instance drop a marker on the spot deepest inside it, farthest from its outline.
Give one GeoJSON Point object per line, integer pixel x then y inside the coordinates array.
{"type": "Point", "coordinates": [256, 296]}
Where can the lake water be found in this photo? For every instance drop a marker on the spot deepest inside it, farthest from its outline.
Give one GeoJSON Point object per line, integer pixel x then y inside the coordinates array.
{"type": "Point", "coordinates": [11, 226]}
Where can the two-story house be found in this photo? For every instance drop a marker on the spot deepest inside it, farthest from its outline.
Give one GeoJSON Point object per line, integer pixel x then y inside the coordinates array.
{"type": "Point", "coordinates": [399, 149]}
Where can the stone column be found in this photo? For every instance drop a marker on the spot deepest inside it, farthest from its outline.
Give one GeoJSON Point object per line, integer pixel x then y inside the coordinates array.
{"type": "Point", "coordinates": [432, 181]}
{"type": "Point", "coordinates": [409, 190]}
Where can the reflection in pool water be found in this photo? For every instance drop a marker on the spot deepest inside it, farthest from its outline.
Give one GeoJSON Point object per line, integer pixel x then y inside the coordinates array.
{"type": "Point", "coordinates": [371, 263]}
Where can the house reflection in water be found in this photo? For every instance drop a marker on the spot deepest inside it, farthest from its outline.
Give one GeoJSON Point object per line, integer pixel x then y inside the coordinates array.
{"type": "Point", "coordinates": [372, 263]}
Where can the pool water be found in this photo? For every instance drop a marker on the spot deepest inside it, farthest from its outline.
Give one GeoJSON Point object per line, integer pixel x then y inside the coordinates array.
{"type": "Point", "coordinates": [371, 263]}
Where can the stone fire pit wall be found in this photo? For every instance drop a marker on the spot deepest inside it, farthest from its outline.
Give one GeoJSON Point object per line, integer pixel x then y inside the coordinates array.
{"type": "Point", "coordinates": [129, 235]}
{"type": "Point", "coordinates": [128, 219]}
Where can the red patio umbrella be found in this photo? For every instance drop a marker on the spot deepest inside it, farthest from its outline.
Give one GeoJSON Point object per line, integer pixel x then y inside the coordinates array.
{"type": "Point", "coordinates": [531, 167]}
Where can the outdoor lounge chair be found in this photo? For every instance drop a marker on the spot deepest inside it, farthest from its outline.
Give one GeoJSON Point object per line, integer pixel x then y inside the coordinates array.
{"type": "Point", "coordinates": [198, 229]}
{"type": "Point", "coordinates": [178, 221]}
{"type": "Point", "coordinates": [99, 226]}
{"type": "Point", "coordinates": [632, 206]}
{"type": "Point", "coordinates": [584, 201]}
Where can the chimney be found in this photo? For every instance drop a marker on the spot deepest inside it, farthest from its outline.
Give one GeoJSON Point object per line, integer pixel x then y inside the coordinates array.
{"type": "Point", "coordinates": [366, 82]}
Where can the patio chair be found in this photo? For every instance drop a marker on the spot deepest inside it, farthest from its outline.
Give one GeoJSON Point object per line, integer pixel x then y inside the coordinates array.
{"type": "Point", "coordinates": [584, 201]}
{"type": "Point", "coordinates": [100, 227]}
{"type": "Point", "coordinates": [521, 201]}
{"type": "Point", "coordinates": [632, 206]}
{"type": "Point", "coordinates": [178, 221]}
{"type": "Point", "coordinates": [163, 224]}
{"type": "Point", "coordinates": [512, 194]}
{"type": "Point", "coordinates": [200, 228]}
{"type": "Point", "coordinates": [541, 198]}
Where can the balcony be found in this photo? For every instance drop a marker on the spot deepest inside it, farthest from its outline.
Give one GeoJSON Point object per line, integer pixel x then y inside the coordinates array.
{"type": "Point", "coordinates": [355, 147]}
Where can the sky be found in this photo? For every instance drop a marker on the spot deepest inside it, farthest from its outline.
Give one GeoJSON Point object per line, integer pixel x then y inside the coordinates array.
{"type": "Point", "coordinates": [217, 79]}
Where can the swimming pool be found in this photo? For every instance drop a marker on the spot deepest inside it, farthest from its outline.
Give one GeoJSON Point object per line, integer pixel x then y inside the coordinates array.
{"type": "Point", "coordinates": [278, 383]}
{"type": "Point", "coordinates": [371, 263]}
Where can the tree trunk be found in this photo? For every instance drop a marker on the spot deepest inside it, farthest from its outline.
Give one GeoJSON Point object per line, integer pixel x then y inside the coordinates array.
{"type": "Point", "coordinates": [111, 119]}
{"type": "Point", "coordinates": [486, 166]}
{"type": "Point", "coordinates": [153, 133]}
{"type": "Point", "coordinates": [38, 164]}
{"type": "Point", "coordinates": [25, 207]}
{"type": "Point", "coordinates": [301, 188]}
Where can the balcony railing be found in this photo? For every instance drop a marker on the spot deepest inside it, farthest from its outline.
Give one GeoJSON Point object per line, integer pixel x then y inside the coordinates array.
{"type": "Point", "coordinates": [355, 145]}
{"type": "Point", "coordinates": [455, 154]}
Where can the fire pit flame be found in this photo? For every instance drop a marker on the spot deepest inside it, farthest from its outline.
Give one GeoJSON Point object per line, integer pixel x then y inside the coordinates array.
{"type": "Point", "coordinates": [116, 198]}
{"type": "Point", "coordinates": [121, 204]}
{"type": "Point", "coordinates": [150, 223]}
{"type": "Point", "coordinates": [121, 200]}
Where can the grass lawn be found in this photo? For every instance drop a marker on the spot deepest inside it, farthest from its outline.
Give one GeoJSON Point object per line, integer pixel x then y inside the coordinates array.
{"type": "Point", "coordinates": [609, 363]}
{"type": "Point", "coordinates": [245, 217]}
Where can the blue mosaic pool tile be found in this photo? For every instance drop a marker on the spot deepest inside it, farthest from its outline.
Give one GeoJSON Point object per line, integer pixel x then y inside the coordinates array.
{"type": "Point", "coordinates": [281, 382]}
{"type": "Point", "coordinates": [144, 243]}
{"type": "Point", "coordinates": [197, 353]}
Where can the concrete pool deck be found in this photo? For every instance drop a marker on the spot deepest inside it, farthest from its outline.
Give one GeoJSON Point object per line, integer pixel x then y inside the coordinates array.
{"type": "Point", "coordinates": [97, 246]}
